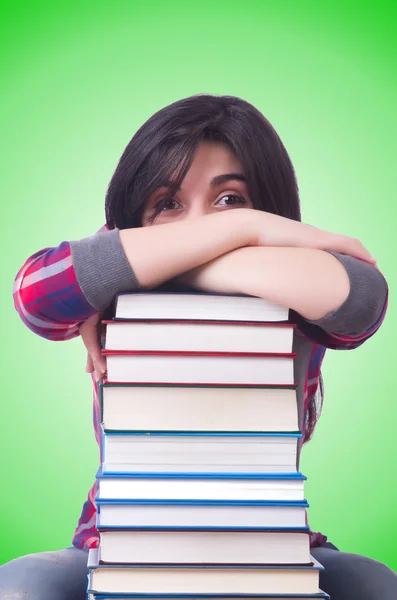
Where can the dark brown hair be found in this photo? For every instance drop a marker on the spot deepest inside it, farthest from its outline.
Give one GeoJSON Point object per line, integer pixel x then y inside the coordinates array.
{"type": "Point", "coordinates": [162, 151]}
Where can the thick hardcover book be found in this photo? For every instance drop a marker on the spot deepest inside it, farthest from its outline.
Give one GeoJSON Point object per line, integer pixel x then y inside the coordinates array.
{"type": "Point", "coordinates": [213, 580]}
{"type": "Point", "coordinates": [205, 453]}
{"type": "Point", "coordinates": [199, 336]}
{"type": "Point", "coordinates": [197, 306]}
{"type": "Point", "coordinates": [119, 514]}
{"type": "Point", "coordinates": [187, 487]}
{"type": "Point", "coordinates": [198, 547]}
{"type": "Point", "coordinates": [211, 408]}
{"type": "Point", "coordinates": [200, 367]}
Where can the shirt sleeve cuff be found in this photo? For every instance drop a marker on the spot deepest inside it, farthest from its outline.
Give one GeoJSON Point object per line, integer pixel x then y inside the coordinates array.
{"type": "Point", "coordinates": [364, 304]}
{"type": "Point", "coordinates": [101, 267]}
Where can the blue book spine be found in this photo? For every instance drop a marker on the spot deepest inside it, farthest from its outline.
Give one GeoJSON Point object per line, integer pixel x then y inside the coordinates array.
{"type": "Point", "coordinates": [198, 475]}
{"type": "Point", "coordinates": [158, 502]}
{"type": "Point", "coordinates": [232, 476]}
{"type": "Point", "coordinates": [296, 435]}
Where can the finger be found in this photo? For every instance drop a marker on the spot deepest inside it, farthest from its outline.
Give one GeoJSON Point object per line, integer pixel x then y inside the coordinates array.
{"type": "Point", "coordinates": [98, 367]}
{"type": "Point", "coordinates": [90, 333]}
{"type": "Point", "coordinates": [364, 256]}
{"type": "Point", "coordinates": [90, 337]}
{"type": "Point", "coordinates": [100, 371]}
{"type": "Point", "coordinates": [352, 247]}
{"type": "Point", "coordinates": [99, 362]}
{"type": "Point", "coordinates": [359, 251]}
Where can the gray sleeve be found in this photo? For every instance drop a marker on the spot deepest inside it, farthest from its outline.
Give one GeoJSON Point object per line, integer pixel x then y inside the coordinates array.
{"type": "Point", "coordinates": [364, 304]}
{"type": "Point", "coordinates": [102, 268]}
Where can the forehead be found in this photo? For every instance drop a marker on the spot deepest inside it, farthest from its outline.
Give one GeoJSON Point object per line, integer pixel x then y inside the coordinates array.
{"type": "Point", "coordinates": [213, 157]}
{"type": "Point", "coordinates": [210, 161]}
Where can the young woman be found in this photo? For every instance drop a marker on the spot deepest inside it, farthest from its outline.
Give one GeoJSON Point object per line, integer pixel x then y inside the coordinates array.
{"type": "Point", "coordinates": [204, 196]}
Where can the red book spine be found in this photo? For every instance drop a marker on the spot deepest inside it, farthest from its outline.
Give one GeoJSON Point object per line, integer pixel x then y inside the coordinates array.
{"type": "Point", "coordinates": [193, 353]}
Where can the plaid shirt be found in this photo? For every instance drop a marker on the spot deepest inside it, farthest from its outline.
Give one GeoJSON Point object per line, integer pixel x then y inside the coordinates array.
{"type": "Point", "coordinates": [50, 302]}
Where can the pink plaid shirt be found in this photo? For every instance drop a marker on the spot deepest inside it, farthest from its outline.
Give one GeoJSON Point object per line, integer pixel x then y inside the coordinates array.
{"type": "Point", "coordinates": [50, 302]}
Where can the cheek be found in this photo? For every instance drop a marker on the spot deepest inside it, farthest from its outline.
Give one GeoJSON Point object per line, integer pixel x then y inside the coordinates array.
{"type": "Point", "coordinates": [249, 203]}
{"type": "Point", "coordinates": [147, 217]}
{"type": "Point", "coordinates": [145, 221]}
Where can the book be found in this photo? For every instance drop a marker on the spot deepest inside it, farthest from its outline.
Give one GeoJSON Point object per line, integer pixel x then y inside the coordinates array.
{"type": "Point", "coordinates": [204, 547]}
{"type": "Point", "coordinates": [148, 452]}
{"type": "Point", "coordinates": [93, 596]}
{"type": "Point", "coordinates": [181, 579]}
{"type": "Point", "coordinates": [199, 492]}
{"type": "Point", "coordinates": [207, 514]}
{"type": "Point", "coordinates": [197, 306]}
{"type": "Point", "coordinates": [134, 407]}
{"type": "Point", "coordinates": [195, 367]}
{"type": "Point", "coordinates": [231, 489]}
{"type": "Point", "coordinates": [199, 336]}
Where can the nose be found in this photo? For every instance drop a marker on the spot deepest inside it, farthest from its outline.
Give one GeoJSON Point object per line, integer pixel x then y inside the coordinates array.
{"type": "Point", "coordinates": [198, 208]}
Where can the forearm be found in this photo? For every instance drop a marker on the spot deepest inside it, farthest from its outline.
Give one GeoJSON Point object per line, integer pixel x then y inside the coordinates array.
{"type": "Point", "coordinates": [145, 257]}
{"type": "Point", "coordinates": [158, 254]}
{"type": "Point", "coordinates": [311, 282]}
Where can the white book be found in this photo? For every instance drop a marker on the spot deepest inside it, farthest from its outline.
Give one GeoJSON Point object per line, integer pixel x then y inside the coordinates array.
{"type": "Point", "coordinates": [164, 453]}
{"type": "Point", "coordinates": [197, 306]}
{"type": "Point", "coordinates": [130, 488]}
{"type": "Point", "coordinates": [189, 408]}
{"type": "Point", "coordinates": [211, 369]}
{"type": "Point", "coordinates": [128, 579]}
{"type": "Point", "coordinates": [205, 547]}
{"type": "Point", "coordinates": [198, 336]}
{"type": "Point", "coordinates": [140, 514]}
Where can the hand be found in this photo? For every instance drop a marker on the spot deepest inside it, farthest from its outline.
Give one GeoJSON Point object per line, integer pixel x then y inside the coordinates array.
{"type": "Point", "coordinates": [91, 332]}
{"type": "Point", "coordinates": [280, 231]}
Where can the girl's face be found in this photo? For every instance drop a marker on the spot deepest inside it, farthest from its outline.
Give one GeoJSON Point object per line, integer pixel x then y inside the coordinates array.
{"type": "Point", "coordinates": [214, 182]}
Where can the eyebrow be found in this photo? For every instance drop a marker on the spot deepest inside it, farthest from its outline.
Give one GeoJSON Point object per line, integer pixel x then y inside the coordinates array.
{"type": "Point", "coordinates": [215, 181]}
{"type": "Point", "coordinates": [219, 179]}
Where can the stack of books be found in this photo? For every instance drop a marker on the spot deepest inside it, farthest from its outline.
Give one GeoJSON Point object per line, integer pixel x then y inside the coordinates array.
{"type": "Point", "coordinates": [199, 491]}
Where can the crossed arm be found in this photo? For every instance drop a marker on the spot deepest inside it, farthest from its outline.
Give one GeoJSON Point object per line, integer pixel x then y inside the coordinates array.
{"type": "Point", "coordinates": [309, 270]}
{"type": "Point", "coordinates": [329, 279]}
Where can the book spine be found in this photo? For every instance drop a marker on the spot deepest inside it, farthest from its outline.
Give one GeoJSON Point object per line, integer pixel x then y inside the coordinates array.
{"type": "Point", "coordinates": [166, 353]}
{"type": "Point", "coordinates": [216, 503]}
{"type": "Point", "coordinates": [144, 433]}
{"type": "Point", "coordinates": [285, 386]}
{"type": "Point", "coordinates": [211, 476]}
{"type": "Point", "coordinates": [122, 320]}
{"type": "Point", "coordinates": [304, 529]}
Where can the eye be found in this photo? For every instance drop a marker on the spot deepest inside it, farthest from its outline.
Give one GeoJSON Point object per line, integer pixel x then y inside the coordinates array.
{"type": "Point", "coordinates": [166, 204]}
{"type": "Point", "coordinates": [230, 200]}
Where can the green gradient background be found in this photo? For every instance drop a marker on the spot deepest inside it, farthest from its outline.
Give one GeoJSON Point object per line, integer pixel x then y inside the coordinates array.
{"type": "Point", "coordinates": [77, 81]}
